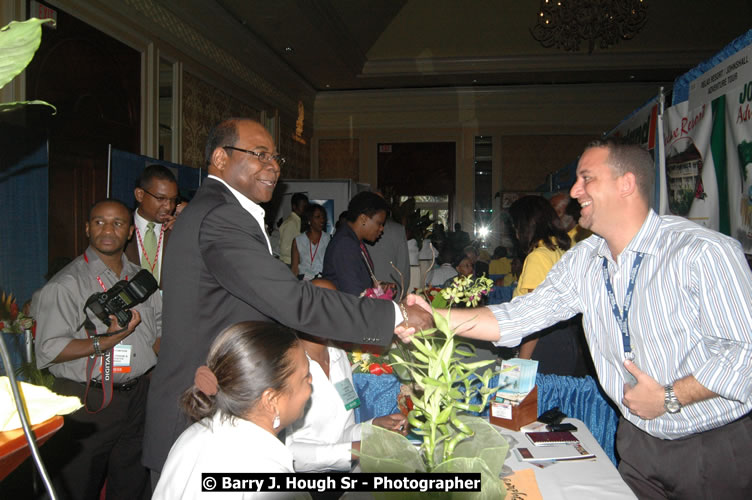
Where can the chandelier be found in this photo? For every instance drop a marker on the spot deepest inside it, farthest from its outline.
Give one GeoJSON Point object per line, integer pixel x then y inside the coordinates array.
{"type": "Point", "coordinates": [565, 23]}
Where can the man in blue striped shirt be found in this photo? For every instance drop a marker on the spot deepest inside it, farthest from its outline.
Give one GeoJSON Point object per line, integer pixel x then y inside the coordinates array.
{"type": "Point", "coordinates": [667, 312]}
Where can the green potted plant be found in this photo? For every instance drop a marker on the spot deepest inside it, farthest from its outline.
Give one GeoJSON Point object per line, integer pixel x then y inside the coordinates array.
{"type": "Point", "coordinates": [445, 387]}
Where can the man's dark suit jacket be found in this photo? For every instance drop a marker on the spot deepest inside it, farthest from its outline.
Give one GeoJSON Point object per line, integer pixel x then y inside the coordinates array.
{"type": "Point", "coordinates": [344, 264]}
{"type": "Point", "coordinates": [217, 272]}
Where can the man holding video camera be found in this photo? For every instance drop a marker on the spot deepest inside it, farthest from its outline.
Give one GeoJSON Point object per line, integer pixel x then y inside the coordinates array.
{"type": "Point", "coordinates": [101, 441]}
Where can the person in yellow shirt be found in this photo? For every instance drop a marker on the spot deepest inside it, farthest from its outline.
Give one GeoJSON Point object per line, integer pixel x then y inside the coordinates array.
{"type": "Point", "coordinates": [500, 263]}
{"type": "Point", "coordinates": [543, 240]}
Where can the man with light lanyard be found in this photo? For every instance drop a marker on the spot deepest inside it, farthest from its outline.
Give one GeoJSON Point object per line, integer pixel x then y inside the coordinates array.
{"type": "Point", "coordinates": [103, 440]}
{"type": "Point", "coordinates": [156, 193]}
{"type": "Point", "coordinates": [667, 312]}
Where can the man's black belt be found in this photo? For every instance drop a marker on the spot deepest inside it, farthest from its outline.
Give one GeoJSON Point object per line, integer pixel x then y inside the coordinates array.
{"type": "Point", "coordinates": [123, 387]}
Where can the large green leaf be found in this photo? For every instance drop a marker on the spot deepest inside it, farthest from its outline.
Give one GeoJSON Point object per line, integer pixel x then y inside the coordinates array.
{"type": "Point", "coordinates": [10, 106]}
{"type": "Point", "coordinates": [18, 43]}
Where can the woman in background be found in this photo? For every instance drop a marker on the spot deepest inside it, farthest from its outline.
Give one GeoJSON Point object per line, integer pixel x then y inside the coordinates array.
{"type": "Point", "coordinates": [323, 439]}
{"type": "Point", "coordinates": [543, 240]}
{"type": "Point", "coordinates": [255, 383]}
{"type": "Point", "coordinates": [347, 263]}
{"type": "Point", "coordinates": [309, 247]}
{"type": "Point", "coordinates": [463, 264]}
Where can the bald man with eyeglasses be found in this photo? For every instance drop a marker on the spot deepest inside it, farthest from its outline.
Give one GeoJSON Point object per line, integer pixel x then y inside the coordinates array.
{"type": "Point", "coordinates": [219, 270]}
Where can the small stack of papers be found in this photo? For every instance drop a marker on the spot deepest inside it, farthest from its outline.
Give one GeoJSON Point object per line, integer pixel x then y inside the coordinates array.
{"type": "Point", "coordinates": [516, 380]}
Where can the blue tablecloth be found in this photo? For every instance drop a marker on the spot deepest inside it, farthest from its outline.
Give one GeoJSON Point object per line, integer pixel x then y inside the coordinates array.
{"type": "Point", "coordinates": [580, 398]}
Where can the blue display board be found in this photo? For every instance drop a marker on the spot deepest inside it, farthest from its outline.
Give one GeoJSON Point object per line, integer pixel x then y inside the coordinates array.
{"type": "Point", "coordinates": [125, 169]}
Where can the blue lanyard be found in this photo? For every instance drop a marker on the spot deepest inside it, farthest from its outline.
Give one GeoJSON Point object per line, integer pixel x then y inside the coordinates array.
{"type": "Point", "coordinates": [621, 316]}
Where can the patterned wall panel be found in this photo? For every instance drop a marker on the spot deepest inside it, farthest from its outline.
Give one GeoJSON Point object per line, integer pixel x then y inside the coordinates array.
{"type": "Point", "coordinates": [298, 153]}
{"type": "Point", "coordinates": [339, 159]}
{"type": "Point", "coordinates": [527, 160]}
{"type": "Point", "coordinates": [203, 107]}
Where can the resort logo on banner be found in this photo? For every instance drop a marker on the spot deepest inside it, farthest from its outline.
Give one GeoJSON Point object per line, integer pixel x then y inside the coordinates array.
{"type": "Point", "coordinates": [691, 184]}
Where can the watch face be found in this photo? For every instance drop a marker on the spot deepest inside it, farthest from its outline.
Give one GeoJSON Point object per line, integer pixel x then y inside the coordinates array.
{"type": "Point", "coordinates": [673, 406]}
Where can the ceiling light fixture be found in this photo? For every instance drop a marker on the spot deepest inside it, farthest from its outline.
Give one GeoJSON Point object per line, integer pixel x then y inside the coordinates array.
{"type": "Point", "coordinates": [565, 23]}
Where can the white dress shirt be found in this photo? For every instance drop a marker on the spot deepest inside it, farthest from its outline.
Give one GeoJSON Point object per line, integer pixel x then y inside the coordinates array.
{"type": "Point", "coordinates": [217, 445]}
{"type": "Point", "coordinates": [439, 275]}
{"type": "Point", "coordinates": [690, 315]}
{"type": "Point", "coordinates": [322, 439]}
{"type": "Point", "coordinates": [252, 208]}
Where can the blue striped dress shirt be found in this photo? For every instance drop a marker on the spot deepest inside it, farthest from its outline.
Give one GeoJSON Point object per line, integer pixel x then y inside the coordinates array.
{"type": "Point", "coordinates": [691, 314]}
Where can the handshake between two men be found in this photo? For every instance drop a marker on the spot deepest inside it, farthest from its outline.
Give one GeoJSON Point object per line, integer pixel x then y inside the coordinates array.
{"type": "Point", "coordinates": [417, 314]}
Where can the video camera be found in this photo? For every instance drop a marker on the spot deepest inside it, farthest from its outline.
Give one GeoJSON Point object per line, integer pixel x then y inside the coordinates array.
{"type": "Point", "coordinates": [121, 297]}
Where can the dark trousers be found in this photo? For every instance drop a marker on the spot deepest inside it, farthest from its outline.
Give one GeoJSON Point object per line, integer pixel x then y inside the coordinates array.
{"type": "Point", "coordinates": [106, 446]}
{"type": "Point", "coordinates": [715, 464]}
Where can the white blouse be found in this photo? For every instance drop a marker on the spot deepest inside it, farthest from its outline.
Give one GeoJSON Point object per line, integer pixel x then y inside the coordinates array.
{"type": "Point", "coordinates": [212, 445]}
{"type": "Point", "coordinates": [322, 439]}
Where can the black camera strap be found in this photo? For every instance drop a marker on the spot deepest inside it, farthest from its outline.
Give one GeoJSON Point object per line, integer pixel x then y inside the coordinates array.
{"type": "Point", "coordinates": [107, 375]}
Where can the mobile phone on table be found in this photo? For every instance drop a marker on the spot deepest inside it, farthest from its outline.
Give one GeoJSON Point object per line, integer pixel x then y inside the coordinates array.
{"type": "Point", "coordinates": [561, 427]}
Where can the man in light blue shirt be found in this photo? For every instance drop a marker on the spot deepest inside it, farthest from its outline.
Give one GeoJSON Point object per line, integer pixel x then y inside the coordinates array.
{"type": "Point", "coordinates": [667, 312]}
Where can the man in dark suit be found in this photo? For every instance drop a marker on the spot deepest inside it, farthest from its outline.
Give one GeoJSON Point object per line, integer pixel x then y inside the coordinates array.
{"type": "Point", "coordinates": [156, 193]}
{"type": "Point", "coordinates": [219, 270]}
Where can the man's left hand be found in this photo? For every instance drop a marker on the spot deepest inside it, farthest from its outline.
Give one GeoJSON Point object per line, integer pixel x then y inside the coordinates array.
{"type": "Point", "coordinates": [646, 398]}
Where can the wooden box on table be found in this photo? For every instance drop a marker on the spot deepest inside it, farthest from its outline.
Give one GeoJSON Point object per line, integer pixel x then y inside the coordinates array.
{"type": "Point", "coordinates": [514, 417]}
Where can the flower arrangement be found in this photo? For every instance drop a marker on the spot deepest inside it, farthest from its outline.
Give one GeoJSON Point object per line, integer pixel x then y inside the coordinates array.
{"type": "Point", "coordinates": [12, 320]}
{"type": "Point", "coordinates": [378, 292]}
{"type": "Point", "coordinates": [368, 362]}
{"type": "Point", "coordinates": [444, 386]}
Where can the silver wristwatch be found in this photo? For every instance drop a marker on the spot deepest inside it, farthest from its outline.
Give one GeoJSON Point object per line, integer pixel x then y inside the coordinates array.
{"type": "Point", "coordinates": [670, 402]}
{"type": "Point", "coordinates": [97, 350]}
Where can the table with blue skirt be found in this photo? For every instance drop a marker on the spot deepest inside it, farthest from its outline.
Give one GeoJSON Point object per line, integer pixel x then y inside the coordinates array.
{"type": "Point", "coordinates": [578, 397]}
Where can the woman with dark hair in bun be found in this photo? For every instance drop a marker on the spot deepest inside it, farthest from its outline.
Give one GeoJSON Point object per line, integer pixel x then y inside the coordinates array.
{"type": "Point", "coordinates": [255, 383]}
{"type": "Point", "coordinates": [347, 263]}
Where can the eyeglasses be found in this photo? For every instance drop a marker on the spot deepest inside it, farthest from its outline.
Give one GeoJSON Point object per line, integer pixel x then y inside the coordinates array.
{"type": "Point", "coordinates": [263, 156]}
{"type": "Point", "coordinates": [161, 199]}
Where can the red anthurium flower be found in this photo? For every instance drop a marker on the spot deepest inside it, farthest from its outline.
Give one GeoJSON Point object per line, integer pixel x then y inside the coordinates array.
{"type": "Point", "coordinates": [13, 311]}
{"type": "Point", "coordinates": [387, 368]}
{"type": "Point", "coordinates": [375, 369]}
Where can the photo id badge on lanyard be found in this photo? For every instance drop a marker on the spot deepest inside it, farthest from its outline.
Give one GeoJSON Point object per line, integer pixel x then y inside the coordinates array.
{"type": "Point", "coordinates": [622, 315]}
{"type": "Point", "coordinates": [122, 359]}
{"type": "Point", "coordinates": [347, 393]}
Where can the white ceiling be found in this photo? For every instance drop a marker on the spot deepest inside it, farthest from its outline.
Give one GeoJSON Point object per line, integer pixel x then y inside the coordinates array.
{"type": "Point", "coordinates": [387, 44]}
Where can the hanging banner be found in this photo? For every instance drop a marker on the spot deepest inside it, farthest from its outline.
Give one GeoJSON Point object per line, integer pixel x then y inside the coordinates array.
{"type": "Point", "coordinates": [639, 128]}
{"type": "Point", "coordinates": [691, 187]}
{"type": "Point", "coordinates": [720, 80]}
{"type": "Point", "coordinates": [739, 158]}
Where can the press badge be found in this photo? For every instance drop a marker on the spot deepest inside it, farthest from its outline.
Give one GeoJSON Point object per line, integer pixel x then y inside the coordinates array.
{"type": "Point", "coordinates": [121, 358]}
{"type": "Point", "coordinates": [347, 393]}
